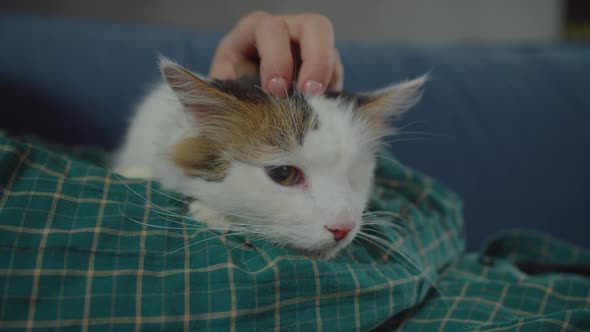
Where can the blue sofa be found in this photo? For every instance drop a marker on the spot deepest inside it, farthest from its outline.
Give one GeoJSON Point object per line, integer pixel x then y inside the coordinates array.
{"type": "Point", "coordinates": [509, 125]}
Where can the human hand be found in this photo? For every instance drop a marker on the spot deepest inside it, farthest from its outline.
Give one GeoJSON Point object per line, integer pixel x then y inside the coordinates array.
{"type": "Point", "coordinates": [270, 38]}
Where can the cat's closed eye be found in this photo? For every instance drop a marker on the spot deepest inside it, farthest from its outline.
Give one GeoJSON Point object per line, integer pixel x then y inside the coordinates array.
{"type": "Point", "coordinates": [285, 175]}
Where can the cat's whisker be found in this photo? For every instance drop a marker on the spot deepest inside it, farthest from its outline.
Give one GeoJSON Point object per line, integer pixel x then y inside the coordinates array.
{"type": "Point", "coordinates": [410, 261]}
{"type": "Point", "coordinates": [380, 155]}
{"type": "Point", "coordinates": [390, 247]}
{"type": "Point", "coordinates": [203, 227]}
{"type": "Point", "coordinates": [386, 139]}
{"type": "Point", "coordinates": [135, 192]}
{"type": "Point", "coordinates": [239, 216]}
{"type": "Point", "coordinates": [424, 273]}
{"type": "Point", "coordinates": [182, 216]}
{"type": "Point", "coordinates": [216, 211]}
{"type": "Point", "coordinates": [398, 133]}
{"type": "Point", "coordinates": [381, 216]}
{"type": "Point", "coordinates": [156, 208]}
{"type": "Point", "coordinates": [410, 124]}
{"type": "Point", "coordinates": [201, 241]}
{"type": "Point", "coordinates": [362, 236]}
{"type": "Point", "coordinates": [170, 220]}
{"type": "Point", "coordinates": [385, 220]}
{"type": "Point", "coordinates": [258, 234]}
{"type": "Point", "coordinates": [62, 215]}
{"type": "Point", "coordinates": [386, 224]}
{"type": "Point", "coordinates": [386, 248]}
{"type": "Point", "coordinates": [404, 140]}
{"type": "Point", "coordinates": [425, 133]}
{"type": "Point", "coordinates": [163, 193]}
{"type": "Point", "coordinates": [398, 228]}
{"type": "Point", "coordinates": [163, 227]}
{"type": "Point", "coordinates": [380, 141]}
{"type": "Point", "coordinates": [377, 220]}
{"type": "Point", "coordinates": [382, 213]}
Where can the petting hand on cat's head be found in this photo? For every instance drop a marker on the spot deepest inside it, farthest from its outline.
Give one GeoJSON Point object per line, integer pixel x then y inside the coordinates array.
{"type": "Point", "coordinates": [270, 38]}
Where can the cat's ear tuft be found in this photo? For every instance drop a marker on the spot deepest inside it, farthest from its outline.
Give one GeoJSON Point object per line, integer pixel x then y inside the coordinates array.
{"type": "Point", "coordinates": [194, 92]}
{"type": "Point", "coordinates": [394, 100]}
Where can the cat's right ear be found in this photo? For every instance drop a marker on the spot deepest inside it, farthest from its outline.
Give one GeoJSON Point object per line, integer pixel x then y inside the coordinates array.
{"type": "Point", "coordinates": [195, 93]}
{"type": "Point", "coordinates": [394, 100]}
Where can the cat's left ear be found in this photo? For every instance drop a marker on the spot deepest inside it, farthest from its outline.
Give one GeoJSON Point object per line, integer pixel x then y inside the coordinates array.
{"type": "Point", "coordinates": [392, 101]}
{"type": "Point", "coordinates": [196, 94]}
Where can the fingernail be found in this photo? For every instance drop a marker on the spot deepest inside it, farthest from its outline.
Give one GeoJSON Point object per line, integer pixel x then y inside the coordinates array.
{"type": "Point", "coordinates": [277, 86]}
{"type": "Point", "coordinates": [313, 88]}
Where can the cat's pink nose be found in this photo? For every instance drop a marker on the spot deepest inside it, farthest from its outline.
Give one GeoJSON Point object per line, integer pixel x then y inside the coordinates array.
{"type": "Point", "coordinates": [339, 233]}
{"type": "Point", "coordinates": [341, 225]}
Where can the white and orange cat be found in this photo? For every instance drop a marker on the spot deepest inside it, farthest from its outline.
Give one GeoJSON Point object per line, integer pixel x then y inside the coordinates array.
{"type": "Point", "coordinates": [297, 171]}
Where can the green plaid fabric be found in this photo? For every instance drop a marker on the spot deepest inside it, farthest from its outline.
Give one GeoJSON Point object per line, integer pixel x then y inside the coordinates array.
{"type": "Point", "coordinates": [500, 297]}
{"type": "Point", "coordinates": [83, 249]}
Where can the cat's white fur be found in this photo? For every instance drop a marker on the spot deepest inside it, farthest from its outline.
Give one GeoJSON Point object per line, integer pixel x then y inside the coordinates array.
{"type": "Point", "coordinates": [338, 161]}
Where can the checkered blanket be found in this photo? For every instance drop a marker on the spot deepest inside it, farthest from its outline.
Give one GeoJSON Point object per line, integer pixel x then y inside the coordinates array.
{"type": "Point", "coordinates": [492, 291]}
{"type": "Point", "coordinates": [84, 249]}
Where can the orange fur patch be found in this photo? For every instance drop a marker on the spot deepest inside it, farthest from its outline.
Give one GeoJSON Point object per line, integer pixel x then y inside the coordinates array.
{"type": "Point", "coordinates": [198, 157]}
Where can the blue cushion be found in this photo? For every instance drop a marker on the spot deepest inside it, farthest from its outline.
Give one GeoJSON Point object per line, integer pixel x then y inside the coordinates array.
{"type": "Point", "coordinates": [508, 124]}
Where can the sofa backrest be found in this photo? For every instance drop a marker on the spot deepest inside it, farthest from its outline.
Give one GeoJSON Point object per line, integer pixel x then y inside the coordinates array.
{"type": "Point", "coordinates": [506, 128]}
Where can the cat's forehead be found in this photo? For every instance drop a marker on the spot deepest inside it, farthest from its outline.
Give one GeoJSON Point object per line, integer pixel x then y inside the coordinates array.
{"type": "Point", "coordinates": [330, 120]}
{"type": "Point", "coordinates": [339, 137]}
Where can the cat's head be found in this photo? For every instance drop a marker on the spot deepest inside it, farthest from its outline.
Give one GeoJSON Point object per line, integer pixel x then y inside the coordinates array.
{"type": "Point", "coordinates": [299, 170]}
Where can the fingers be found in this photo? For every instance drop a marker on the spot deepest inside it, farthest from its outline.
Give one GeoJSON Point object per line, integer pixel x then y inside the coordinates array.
{"type": "Point", "coordinates": [315, 34]}
{"type": "Point", "coordinates": [222, 66]}
{"type": "Point", "coordinates": [270, 38]}
{"type": "Point", "coordinates": [337, 81]}
{"type": "Point", "coordinates": [273, 41]}
{"type": "Point", "coordinates": [236, 46]}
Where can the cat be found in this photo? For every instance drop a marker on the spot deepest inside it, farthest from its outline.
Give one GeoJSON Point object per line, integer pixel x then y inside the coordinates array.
{"type": "Point", "coordinates": [297, 171]}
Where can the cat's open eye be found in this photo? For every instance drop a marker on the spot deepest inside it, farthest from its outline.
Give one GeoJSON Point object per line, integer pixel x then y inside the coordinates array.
{"type": "Point", "coordinates": [285, 175]}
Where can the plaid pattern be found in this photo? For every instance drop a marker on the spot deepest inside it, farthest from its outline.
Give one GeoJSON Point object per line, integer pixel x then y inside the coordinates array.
{"type": "Point", "coordinates": [83, 249]}
{"type": "Point", "coordinates": [500, 297]}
